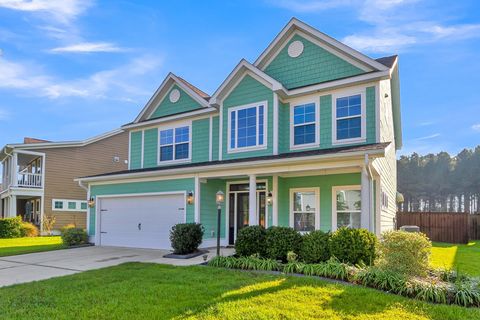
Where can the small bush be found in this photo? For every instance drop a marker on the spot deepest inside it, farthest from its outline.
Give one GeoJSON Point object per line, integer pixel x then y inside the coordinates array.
{"type": "Point", "coordinates": [186, 237]}
{"type": "Point", "coordinates": [353, 246]}
{"type": "Point", "coordinates": [48, 223]}
{"type": "Point", "coordinates": [315, 247]}
{"type": "Point", "coordinates": [404, 252]}
{"type": "Point", "coordinates": [74, 237]}
{"type": "Point", "coordinates": [28, 229]}
{"type": "Point", "coordinates": [11, 227]}
{"type": "Point", "coordinates": [279, 241]}
{"type": "Point", "coordinates": [250, 241]}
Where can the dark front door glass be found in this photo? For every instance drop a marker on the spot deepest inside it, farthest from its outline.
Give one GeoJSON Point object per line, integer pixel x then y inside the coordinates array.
{"type": "Point", "coordinates": [261, 209]}
{"type": "Point", "coordinates": [231, 219]}
{"type": "Point", "coordinates": [242, 210]}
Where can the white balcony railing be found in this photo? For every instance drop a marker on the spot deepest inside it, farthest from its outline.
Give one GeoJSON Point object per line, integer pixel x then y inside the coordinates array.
{"type": "Point", "coordinates": [29, 180]}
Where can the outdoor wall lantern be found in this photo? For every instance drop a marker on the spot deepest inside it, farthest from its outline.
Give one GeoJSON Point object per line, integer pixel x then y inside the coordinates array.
{"type": "Point", "coordinates": [400, 198]}
{"type": "Point", "coordinates": [190, 197]}
{"type": "Point", "coordinates": [220, 198]}
{"type": "Point", "coordinates": [269, 199]}
{"type": "Point", "coordinates": [91, 202]}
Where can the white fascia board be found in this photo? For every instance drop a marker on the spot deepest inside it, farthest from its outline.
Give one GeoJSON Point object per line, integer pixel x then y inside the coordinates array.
{"type": "Point", "coordinates": [64, 144]}
{"type": "Point", "coordinates": [242, 67]}
{"type": "Point", "coordinates": [240, 165]}
{"type": "Point", "coordinates": [167, 83]}
{"type": "Point", "coordinates": [185, 115]}
{"type": "Point", "coordinates": [295, 24]}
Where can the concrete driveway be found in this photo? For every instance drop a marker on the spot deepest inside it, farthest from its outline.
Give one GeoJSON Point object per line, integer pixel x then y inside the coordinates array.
{"type": "Point", "coordinates": [45, 265]}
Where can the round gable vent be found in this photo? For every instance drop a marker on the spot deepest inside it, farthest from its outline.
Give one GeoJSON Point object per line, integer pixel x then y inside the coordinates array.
{"type": "Point", "coordinates": [174, 95]}
{"type": "Point", "coordinates": [295, 49]}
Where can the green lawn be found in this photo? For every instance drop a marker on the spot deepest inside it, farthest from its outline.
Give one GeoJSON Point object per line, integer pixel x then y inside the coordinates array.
{"type": "Point", "coordinates": [151, 291]}
{"type": "Point", "coordinates": [10, 247]}
{"type": "Point", "coordinates": [464, 257]}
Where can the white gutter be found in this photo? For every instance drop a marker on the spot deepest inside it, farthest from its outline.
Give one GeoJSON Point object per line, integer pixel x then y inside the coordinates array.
{"type": "Point", "coordinates": [236, 165]}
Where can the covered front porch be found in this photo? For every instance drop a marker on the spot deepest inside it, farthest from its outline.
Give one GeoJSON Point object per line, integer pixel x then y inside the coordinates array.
{"type": "Point", "coordinates": [304, 199]}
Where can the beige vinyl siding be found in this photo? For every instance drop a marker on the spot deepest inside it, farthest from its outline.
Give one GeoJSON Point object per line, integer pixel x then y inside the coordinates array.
{"type": "Point", "coordinates": [387, 166]}
{"type": "Point", "coordinates": [62, 165]}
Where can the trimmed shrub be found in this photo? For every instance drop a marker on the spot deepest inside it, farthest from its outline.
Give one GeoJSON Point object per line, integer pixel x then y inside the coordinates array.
{"type": "Point", "coordinates": [28, 229]}
{"type": "Point", "coordinates": [250, 241]}
{"type": "Point", "coordinates": [280, 240]}
{"type": "Point", "coordinates": [315, 247]}
{"type": "Point", "coordinates": [74, 237]}
{"type": "Point", "coordinates": [186, 237]}
{"type": "Point", "coordinates": [11, 227]}
{"type": "Point", "coordinates": [354, 246]}
{"type": "Point", "coordinates": [404, 252]}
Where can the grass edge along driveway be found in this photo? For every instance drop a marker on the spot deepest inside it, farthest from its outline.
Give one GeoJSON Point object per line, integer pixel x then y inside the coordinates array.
{"type": "Point", "coordinates": [143, 291]}
{"type": "Point", "coordinates": [15, 246]}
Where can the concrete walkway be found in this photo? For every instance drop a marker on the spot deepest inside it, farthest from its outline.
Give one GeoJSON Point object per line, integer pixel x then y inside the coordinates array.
{"type": "Point", "coordinates": [45, 265]}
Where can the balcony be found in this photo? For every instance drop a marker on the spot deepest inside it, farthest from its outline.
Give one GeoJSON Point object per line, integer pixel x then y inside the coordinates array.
{"type": "Point", "coordinates": [29, 180]}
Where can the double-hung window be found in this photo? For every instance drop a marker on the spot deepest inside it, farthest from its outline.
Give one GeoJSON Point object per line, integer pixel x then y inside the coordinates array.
{"type": "Point", "coordinates": [304, 125]}
{"type": "Point", "coordinates": [349, 118]}
{"type": "Point", "coordinates": [305, 214]}
{"type": "Point", "coordinates": [247, 127]}
{"type": "Point", "coordinates": [175, 144]}
{"type": "Point", "coordinates": [348, 207]}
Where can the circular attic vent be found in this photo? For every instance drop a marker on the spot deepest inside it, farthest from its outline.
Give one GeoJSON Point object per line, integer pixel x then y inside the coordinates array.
{"type": "Point", "coordinates": [295, 49]}
{"type": "Point", "coordinates": [174, 95]}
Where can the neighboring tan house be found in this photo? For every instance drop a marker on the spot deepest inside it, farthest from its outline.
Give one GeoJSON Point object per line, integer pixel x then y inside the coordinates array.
{"type": "Point", "coordinates": [38, 175]}
{"type": "Point", "coordinates": [305, 137]}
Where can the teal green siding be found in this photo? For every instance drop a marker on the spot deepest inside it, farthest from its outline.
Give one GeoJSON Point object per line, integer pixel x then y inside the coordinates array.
{"type": "Point", "coordinates": [136, 150]}
{"type": "Point", "coordinates": [371, 120]}
{"type": "Point", "coordinates": [283, 127]}
{"type": "Point", "coordinates": [326, 121]}
{"type": "Point", "coordinates": [248, 91]}
{"type": "Point", "coordinates": [215, 134]}
{"type": "Point", "coordinates": [208, 208]}
{"type": "Point", "coordinates": [150, 148]}
{"type": "Point", "coordinates": [142, 187]}
{"type": "Point", "coordinates": [314, 65]}
{"type": "Point", "coordinates": [200, 139]}
{"type": "Point", "coordinates": [185, 103]}
{"type": "Point", "coordinates": [325, 183]}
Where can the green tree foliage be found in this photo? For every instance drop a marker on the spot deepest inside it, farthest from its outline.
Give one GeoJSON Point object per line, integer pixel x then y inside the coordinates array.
{"type": "Point", "coordinates": [440, 182]}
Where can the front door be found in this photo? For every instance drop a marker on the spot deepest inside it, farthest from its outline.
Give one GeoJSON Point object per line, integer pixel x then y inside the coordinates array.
{"type": "Point", "coordinates": [238, 208]}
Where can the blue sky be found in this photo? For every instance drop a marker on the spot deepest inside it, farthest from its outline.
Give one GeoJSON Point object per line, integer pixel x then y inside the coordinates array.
{"type": "Point", "coordinates": [73, 69]}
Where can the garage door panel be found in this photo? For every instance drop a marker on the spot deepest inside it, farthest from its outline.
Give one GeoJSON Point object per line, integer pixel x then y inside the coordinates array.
{"type": "Point", "coordinates": [143, 221]}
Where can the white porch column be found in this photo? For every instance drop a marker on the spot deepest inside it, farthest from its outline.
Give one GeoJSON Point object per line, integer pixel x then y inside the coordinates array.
{"type": "Point", "coordinates": [275, 200]}
{"type": "Point", "coordinates": [196, 200]}
{"type": "Point", "coordinates": [252, 201]}
{"type": "Point", "coordinates": [14, 172]}
{"type": "Point", "coordinates": [13, 206]}
{"type": "Point", "coordinates": [365, 216]}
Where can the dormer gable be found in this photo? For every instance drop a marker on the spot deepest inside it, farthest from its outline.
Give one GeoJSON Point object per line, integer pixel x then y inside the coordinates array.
{"type": "Point", "coordinates": [174, 96]}
{"type": "Point", "coordinates": [301, 56]}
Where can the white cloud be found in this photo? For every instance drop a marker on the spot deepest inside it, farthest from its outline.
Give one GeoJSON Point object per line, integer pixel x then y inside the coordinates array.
{"type": "Point", "coordinates": [126, 83]}
{"type": "Point", "coordinates": [88, 47]}
{"type": "Point", "coordinates": [383, 43]}
{"type": "Point", "coordinates": [61, 10]}
{"type": "Point", "coordinates": [432, 136]}
{"type": "Point", "coordinates": [476, 127]}
{"type": "Point", "coordinates": [4, 114]}
{"type": "Point", "coordinates": [310, 5]}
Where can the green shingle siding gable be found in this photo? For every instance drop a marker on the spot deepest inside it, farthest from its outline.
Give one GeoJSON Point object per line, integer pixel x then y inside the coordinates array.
{"type": "Point", "coordinates": [136, 150]}
{"type": "Point", "coordinates": [314, 65]}
{"type": "Point", "coordinates": [150, 148]}
{"type": "Point", "coordinates": [371, 112]}
{"type": "Point", "coordinates": [215, 135]}
{"type": "Point", "coordinates": [184, 104]}
{"type": "Point", "coordinates": [248, 91]}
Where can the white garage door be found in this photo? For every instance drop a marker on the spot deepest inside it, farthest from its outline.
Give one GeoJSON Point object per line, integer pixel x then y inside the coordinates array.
{"type": "Point", "coordinates": [140, 221]}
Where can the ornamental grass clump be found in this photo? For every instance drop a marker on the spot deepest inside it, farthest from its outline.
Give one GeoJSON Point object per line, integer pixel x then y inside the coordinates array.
{"type": "Point", "coordinates": [406, 253]}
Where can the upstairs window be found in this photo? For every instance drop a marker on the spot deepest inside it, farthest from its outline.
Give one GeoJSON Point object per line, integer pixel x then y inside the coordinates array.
{"type": "Point", "coordinates": [305, 119]}
{"type": "Point", "coordinates": [175, 144]}
{"type": "Point", "coordinates": [349, 118]}
{"type": "Point", "coordinates": [247, 127]}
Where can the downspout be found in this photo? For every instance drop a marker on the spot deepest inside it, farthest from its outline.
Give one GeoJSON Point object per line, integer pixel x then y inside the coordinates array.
{"type": "Point", "coordinates": [370, 194]}
{"type": "Point", "coordinates": [81, 185]}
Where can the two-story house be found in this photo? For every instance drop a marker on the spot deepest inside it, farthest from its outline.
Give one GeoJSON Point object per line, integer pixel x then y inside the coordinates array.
{"type": "Point", "coordinates": [305, 137]}
{"type": "Point", "coordinates": [37, 176]}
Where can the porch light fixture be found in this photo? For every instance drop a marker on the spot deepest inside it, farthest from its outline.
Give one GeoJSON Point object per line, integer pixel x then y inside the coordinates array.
{"type": "Point", "coordinates": [219, 198]}
{"type": "Point", "coordinates": [190, 197]}
{"type": "Point", "coordinates": [91, 202]}
{"type": "Point", "coordinates": [399, 198]}
{"type": "Point", "coordinates": [269, 199]}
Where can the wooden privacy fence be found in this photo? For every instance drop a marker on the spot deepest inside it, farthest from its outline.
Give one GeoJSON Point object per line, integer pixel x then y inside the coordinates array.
{"type": "Point", "coordinates": [443, 226]}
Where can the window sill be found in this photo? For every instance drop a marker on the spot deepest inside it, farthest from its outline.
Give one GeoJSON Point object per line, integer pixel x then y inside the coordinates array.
{"type": "Point", "coordinates": [246, 149]}
{"type": "Point", "coordinates": [349, 141]}
{"type": "Point", "coordinates": [162, 163]}
{"type": "Point", "coordinates": [304, 146]}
